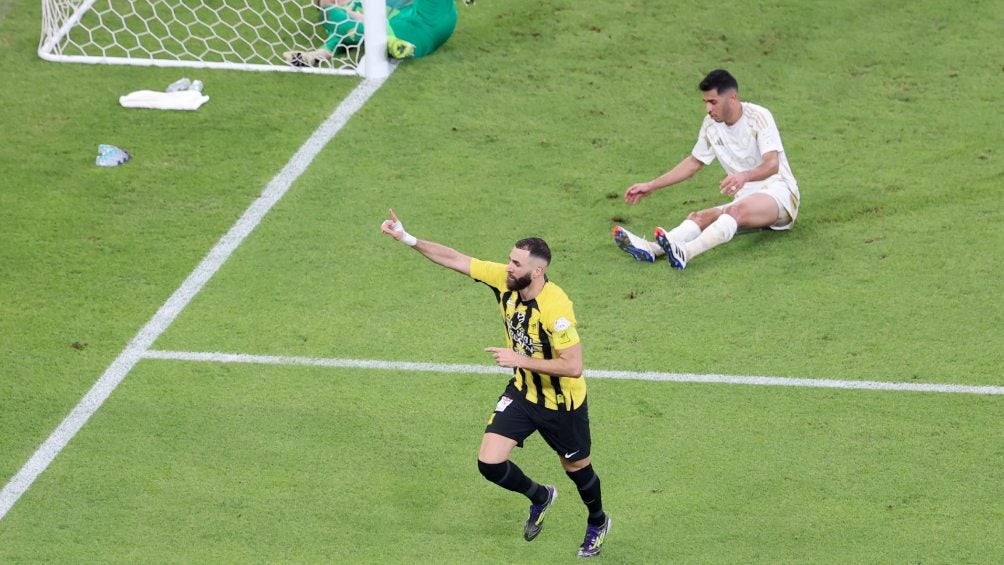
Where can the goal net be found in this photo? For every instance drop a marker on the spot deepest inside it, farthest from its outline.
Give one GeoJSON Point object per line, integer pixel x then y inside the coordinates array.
{"type": "Point", "coordinates": [222, 34]}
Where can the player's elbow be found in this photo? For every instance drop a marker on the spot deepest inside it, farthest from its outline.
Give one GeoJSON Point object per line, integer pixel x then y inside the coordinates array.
{"type": "Point", "coordinates": [571, 361]}
{"type": "Point", "coordinates": [771, 163]}
{"type": "Point", "coordinates": [693, 164]}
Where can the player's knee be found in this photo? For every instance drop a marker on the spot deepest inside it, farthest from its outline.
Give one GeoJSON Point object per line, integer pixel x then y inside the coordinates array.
{"type": "Point", "coordinates": [732, 210]}
{"type": "Point", "coordinates": [703, 218]}
{"type": "Point", "coordinates": [755, 211]}
{"type": "Point", "coordinates": [494, 472]}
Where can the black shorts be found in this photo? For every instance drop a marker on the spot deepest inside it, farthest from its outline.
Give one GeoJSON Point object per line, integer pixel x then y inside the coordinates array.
{"type": "Point", "coordinates": [567, 432]}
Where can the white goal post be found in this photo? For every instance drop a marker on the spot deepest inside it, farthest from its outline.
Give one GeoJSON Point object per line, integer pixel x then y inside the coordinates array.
{"type": "Point", "coordinates": [209, 34]}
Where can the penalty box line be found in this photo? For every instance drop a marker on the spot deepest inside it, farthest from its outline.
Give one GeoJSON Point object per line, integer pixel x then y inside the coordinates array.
{"type": "Point", "coordinates": [193, 284]}
{"type": "Point", "coordinates": [593, 374]}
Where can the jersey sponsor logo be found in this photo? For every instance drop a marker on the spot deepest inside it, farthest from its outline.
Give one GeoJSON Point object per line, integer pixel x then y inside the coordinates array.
{"type": "Point", "coordinates": [521, 340]}
{"type": "Point", "coordinates": [562, 324]}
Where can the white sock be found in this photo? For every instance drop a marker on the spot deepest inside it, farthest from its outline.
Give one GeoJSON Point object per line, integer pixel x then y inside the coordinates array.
{"type": "Point", "coordinates": [720, 231]}
{"type": "Point", "coordinates": [688, 230]}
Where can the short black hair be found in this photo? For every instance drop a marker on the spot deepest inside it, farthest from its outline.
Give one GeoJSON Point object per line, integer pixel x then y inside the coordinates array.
{"type": "Point", "coordinates": [537, 248]}
{"type": "Point", "coordinates": [719, 80]}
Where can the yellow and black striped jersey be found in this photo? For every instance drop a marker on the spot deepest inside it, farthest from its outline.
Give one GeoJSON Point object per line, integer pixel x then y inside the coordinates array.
{"type": "Point", "coordinates": [536, 328]}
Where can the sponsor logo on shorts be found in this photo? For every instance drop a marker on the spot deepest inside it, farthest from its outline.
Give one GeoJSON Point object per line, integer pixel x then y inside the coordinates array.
{"type": "Point", "coordinates": [504, 403]}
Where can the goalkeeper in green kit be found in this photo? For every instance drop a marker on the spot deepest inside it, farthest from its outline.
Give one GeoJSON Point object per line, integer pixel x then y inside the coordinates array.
{"type": "Point", "coordinates": [415, 28]}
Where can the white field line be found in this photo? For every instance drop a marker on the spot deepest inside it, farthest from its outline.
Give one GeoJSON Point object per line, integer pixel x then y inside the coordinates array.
{"type": "Point", "coordinates": [167, 313]}
{"type": "Point", "coordinates": [594, 374]}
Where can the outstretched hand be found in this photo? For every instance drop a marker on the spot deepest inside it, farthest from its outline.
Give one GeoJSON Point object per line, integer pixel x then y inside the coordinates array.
{"type": "Point", "coordinates": [636, 192]}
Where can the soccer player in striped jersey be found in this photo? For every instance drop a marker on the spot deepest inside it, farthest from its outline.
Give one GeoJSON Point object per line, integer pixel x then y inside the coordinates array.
{"type": "Point", "coordinates": [547, 393]}
{"type": "Point", "coordinates": [745, 140]}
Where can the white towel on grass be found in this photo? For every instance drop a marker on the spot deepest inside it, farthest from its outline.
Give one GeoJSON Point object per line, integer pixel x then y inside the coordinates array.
{"type": "Point", "coordinates": [181, 100]}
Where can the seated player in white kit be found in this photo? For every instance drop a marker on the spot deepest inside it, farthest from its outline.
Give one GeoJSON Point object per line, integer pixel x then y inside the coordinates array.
{"type": "Point", "coordinates": [745, 140]}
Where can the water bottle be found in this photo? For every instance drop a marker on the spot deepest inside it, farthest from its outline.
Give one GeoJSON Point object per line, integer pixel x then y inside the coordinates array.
{"type": "Point", "coordinates": [111, 156]}
{"type": "Point", "coordinates": [196, 86]}
{"type": "Point", "coordinates": [178, 85]}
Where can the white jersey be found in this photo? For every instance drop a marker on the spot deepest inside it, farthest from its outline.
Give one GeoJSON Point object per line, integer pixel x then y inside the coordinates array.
{"type": "Point", "coordinates": [741, 146]}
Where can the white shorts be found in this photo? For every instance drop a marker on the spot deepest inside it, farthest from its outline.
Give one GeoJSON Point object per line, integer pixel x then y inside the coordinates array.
{"type": "Point", "coordinates": [784, 193]}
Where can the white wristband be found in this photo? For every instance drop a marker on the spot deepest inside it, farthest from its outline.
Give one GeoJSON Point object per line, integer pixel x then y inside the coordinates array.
{"type": "Point", "coordinates": [407, 238]}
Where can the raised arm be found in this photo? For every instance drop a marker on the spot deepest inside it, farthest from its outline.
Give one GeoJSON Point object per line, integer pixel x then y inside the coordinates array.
{"type": "Point", "coordinates": [435, 252]}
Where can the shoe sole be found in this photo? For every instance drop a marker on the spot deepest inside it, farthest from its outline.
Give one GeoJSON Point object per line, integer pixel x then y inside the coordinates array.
{"type": "Point", "coordinates": [624, 242]}
{"type": "Point", "coordinates": [296, 60]}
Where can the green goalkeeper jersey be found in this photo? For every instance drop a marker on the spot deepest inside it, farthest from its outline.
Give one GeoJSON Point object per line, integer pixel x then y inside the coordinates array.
{"type": "Point", "coordinates": [426, 24]}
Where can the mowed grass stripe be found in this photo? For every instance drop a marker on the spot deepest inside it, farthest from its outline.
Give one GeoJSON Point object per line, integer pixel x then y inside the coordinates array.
{"type": "Point", "coordinates": [595, 373]}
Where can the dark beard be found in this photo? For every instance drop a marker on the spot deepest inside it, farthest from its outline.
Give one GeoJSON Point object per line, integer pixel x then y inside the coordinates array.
{"type": "Point", "coordinates": [518, 284]}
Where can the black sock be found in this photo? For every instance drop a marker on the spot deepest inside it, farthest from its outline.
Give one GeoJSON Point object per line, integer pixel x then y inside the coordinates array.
{"type": "Point", "coordinates": [510, 477]}
{"type": "Point", "coordinates": [588, 483]}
